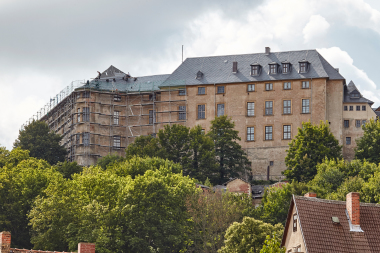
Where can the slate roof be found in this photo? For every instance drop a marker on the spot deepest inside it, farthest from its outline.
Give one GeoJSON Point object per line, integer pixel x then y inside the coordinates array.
{"type": "Point", "coordinates": [117, 80]}
{"type": "Point", "coordinates": [377, 111]}
{"type": "Point", "coordinates": [350, 89]}
{"type": "Point", "coordinates": [320, 234]}
{"type": "Point", "coordinates": [218, 69]}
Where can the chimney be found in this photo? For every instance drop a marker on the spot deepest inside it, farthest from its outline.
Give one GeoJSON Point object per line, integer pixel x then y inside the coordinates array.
{"type": "Point", "coordinates": [234, 67]}
{"type": "Point", "coordinates": [5, 242]}
{"type": "Point", "coordinates": [267, 50]}
{"type": "Point", "coordinates": [311, 195]}
{"type": "Point", "coordinates": [353, 207]}
{"type": "Point", "coordinates": [86, 247]}
{"type": "Point", "coordinates": [337, 69]}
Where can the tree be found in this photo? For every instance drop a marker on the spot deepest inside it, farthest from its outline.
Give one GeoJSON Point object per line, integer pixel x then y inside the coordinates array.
{"type": "Point", "coordinates": [211, 214]}
{"type": "Point", "coordinates": [231, 158]}
{"type": "Point", "coordinates": [272, 244]}
{"type": "Point", "coordinates": [142, 210]}
{"type": "Point", "coordinates": [312, 144]}
{"type": "Point", "coordinates": [174, 142]}
{"type": "Point", "coordinates": [109, 159]}
{"type": "Point", "coordinates": [41, 142]}
{"type": "Point", "coordinates": [67, 169]}
{"type": "Point", "coordinates": [368, 146]}
{"type": "Point", "coordinates": [143, 146]}
{"type": "Point", "coordinates": [248, 236]}
{"type": "Point", "coordinates": [4, 153]}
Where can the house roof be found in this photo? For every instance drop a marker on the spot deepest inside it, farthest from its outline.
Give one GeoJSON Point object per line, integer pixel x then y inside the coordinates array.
{"type": "Point", "coordinates": [218, 69]}
{"type": "Point", "coordinates": [350, 89]}
{"type": "Point", "coordinates": [233, 179]}
{"type": "Point", "coordinates": [320, 234]}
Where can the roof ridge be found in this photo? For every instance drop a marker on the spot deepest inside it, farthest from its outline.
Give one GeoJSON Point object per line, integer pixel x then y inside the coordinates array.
{"type": "Point", "coordinates": [331, 201]}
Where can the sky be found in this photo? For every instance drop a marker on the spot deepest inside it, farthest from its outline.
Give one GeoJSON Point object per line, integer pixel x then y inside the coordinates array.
{"type": "Point", "coordinates": [47, 44]}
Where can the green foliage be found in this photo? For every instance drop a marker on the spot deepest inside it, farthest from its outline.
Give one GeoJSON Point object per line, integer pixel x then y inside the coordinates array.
{"type": "Point", "coordinates": [231, 158]}
{"type": "Point", "coordinates": [351, 184]}
{"type": "Point", "coordinates": [22, 181]}
{"type": "Point", "coordinates": [368, 146]}
{"type": "Point", "coordinates": [276, 201]}
{"type": "Point", "coordinates": [248, 236]}
{"type": "Point", "coordinates": [312, 144]}
{"type": "Point", "coordinates": [142, 209]}
{"type": "Point", "coordinates": [143, 146]}
{"type": "Point", "coordinates": [109, 160]}
{"type": "Point", "coordinates": [211, 214]}
{"type": "Point", "coordinates": [41, 142]}
{"type": "Point", "coordinates": [4, 153]}
{"type": "Point", "coordinates": [272, 244]}
{"type": "Point", "coordinates": [67, 169]}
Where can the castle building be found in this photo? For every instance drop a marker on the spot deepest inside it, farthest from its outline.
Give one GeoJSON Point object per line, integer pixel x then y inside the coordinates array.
{"type": "Point", "coordinates": [268, 96]}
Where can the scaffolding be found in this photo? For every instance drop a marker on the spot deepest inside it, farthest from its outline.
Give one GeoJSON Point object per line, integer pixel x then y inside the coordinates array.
{"type": "Point", "coordinates": [94, 122]}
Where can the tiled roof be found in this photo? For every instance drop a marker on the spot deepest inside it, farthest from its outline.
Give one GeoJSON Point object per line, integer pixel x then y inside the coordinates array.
{"type": "Point", "coordinates": [351, 88]}
{"type": "Point", "coordinates": [322, 235]}
{"type": "Point", "coordinates": [218, 69]}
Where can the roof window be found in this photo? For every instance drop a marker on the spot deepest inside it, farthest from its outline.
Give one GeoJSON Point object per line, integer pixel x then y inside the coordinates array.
{"type": "Point", "coordinates": [273, 68]}
{"type": "Point", "coordinates": [355, 94]}
{"type": "Point", "coordinates": [199, 75]}
{"type": "Point", "coordinates": [234, 67]}
{"type": "Point", "coordinates": [255, 69]}
{"type": "Point", "coordinates": [286, 67]}
{"type": "Point", "coordinates": [304, 66]}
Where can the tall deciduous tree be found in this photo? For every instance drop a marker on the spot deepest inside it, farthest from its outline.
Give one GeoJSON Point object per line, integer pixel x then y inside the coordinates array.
{"type": "Point", "coordinates": [41, 142]}
{"type": "Point", "coordinates": [231, 158]}
{"type": "Point", "coordinates": [368, 146]}
{"type": "Point", "coordinates": [143, 146]}
{"type": "Point", "coordinates": [312, 144]}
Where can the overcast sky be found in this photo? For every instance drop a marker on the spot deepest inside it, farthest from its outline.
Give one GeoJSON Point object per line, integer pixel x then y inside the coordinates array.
{"type": "Point", "coordinates": [46, 44]}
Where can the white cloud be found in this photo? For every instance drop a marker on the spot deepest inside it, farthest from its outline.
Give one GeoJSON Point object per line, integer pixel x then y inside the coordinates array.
{"type": "Point", "coordinates": [316, 27]}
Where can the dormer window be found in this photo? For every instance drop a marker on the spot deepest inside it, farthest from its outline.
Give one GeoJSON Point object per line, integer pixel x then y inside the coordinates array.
{"type": "Point", "coordinates": [355, 95]}
{"type": "Point", "coordinates": [285, 68]}
{"type": "Point", "coordinates": [255, 69]}
{"type": "Point", "coordinates": [273, 68]}
{"type": "Point", "coordinates": [199, 75]}
{"type": "Point", "coordinates": [304, 66]}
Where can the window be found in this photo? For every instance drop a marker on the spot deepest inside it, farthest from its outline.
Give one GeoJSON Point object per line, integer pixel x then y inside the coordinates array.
{"type": "Point", "coordinates": [201, 90]}
{"type": "Point", "coordinates": [152, 117]}
{"type": "Point", "coordinates": [116, 98]}
{"type": "Point", "coordinates": [86, 139]}
{"type": "Point", "coordinates": [271, 163]}
{"type": "Point", "coordinates": [220, 110]}
{"type": "Point", "coordinates": [364, 108]}
{"type": "Point", "coordinates": [346, 123]}
{"type": "Point", "coordinates": [269, 86]}
{"type": "Point", "coordinates": [152, 97]}
{"type": "Point", "coordinates": [358, 107]}
{"type": "Point", "coordinates": [255, 69]}
{"type": "Point", "coordinates": [305, 85]}
{"type": "Point", "coordinates": [363, 122]}
{"type": "Point", "coordinates": [203, 131]}
{"type": "Point", "coordinates": [251, 87]}
{"type": "Point", "coordinates": [355, 94]}
{"type": "Point", "coordinates": [201, 111]}
{"type": "Point", "coordinates": [305, 106]}
{"type": "Point", "coordinates": [287, 85]}
{"type": "Point", "coordinates": [285, 68]}
{"type": "Point", "coordinates": [268, 133]}
{"type": "Point", "coordinates": [116, 117]}
{"type": "Point", "coordinates": [86, 94]}
{"type": "Point", "coordinates": [182, 92]}
{"type": "Point", "coordinates": [348, 140]}
{"type": "Point", "coordinates": [351, 107]}
{"type": "Point", "coordinates": [250, 133]}
{"type": "Point", "coordinates": [78, 119]}
{"type": "Point", "coordinates": [346, 108]}
{"type": "Point", "coordinates": [304, 67]}
{"type": "Point", "coordinates": [287, 132]}
{"type": "Point", "coordinates": [86, 114]}
{"type": "Point", "coordinates": [358, 123]}
{"type": "Point", "coordinates": [272, 69]}
{"type": "Point", "coordinates": [268, 107]}
{"type": "Point", "coordinates": [250, 109]}
{"type": "Point", "coordinates": [199, 75]}
{"type": "Point", "coordinates": [116, 141]}
{"type": "Point", "coordinates": [287, 107]}
{"type": "Point", "coordinates": [220, 89]}
{"type": "Point", "coordinates": [182, 114]}
{"type": "Point", "coordinates": [294, 222]}
{"type": "Point", "coordinates": [78, 139]}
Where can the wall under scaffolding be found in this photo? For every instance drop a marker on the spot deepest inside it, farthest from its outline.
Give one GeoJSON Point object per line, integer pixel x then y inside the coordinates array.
{"type": "Point", "coordinates": [95, 122]}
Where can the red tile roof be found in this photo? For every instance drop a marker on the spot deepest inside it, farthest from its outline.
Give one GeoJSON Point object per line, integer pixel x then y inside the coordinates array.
{"type": "Point", "coordinates": [320, 234]}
